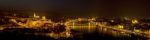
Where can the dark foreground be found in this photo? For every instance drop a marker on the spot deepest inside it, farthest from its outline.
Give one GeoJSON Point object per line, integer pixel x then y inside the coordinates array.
{"type": "Point", "coordinates": [92, 36]}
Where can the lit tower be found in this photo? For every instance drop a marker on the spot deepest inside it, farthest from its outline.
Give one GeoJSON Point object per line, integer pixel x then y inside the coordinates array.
{"type": "Point", "coordinates": [43, 18]}
{"type": "Point", "coordinates": [35, 16]}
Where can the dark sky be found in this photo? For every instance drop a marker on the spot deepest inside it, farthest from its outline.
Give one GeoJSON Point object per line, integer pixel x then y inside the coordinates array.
{"type": "Point", "coordinates": [78, 7]}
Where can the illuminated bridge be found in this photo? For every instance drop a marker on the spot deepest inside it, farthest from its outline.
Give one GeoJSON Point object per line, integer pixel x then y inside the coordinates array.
{"type": "Point", "coordinates": [87, 25]}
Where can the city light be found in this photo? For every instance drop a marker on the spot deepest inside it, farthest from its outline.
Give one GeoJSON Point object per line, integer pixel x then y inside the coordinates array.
{"type": "Point", "coordinates": [134, 21]}
{"type": "Point", "coordinates": [120, 26]}
{"type": "Point", "coordinates": [80, 24]}
{"type": "Point", "coordinates": [112, 20]}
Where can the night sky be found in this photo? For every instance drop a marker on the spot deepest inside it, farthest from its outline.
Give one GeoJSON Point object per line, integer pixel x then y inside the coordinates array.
{"type": "Point", "coordinates": [81, 8]}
